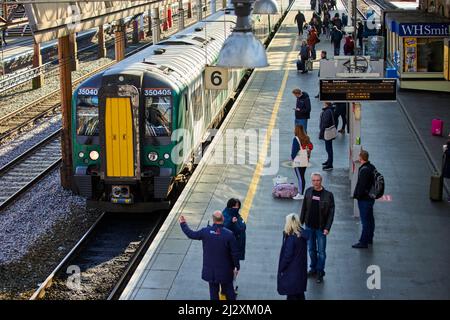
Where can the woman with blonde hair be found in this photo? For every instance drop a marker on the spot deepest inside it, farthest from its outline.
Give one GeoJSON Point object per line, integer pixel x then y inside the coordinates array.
{"type": "Point", "coordinates": [292, 265]}
{"type": "Point", "coordinates": [300, 143]}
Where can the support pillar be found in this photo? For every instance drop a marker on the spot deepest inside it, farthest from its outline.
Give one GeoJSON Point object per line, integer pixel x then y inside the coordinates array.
{"type": "Point", "coordinates": [156, 31]}
{"type": "Point", "coordinates": [180, 15]}
{"type": "Point", "coordinates": [189, 11]}
{"type": "Point", "coordinates": [73, 51]}
{"type": "Point", "coordinates": [119, 41]}
{"type": "Point", "coordinates": [65, 79]}
{"type": "Point", "coordinates": [101, 42]}
{"type": "Point", "coordinates": [199, 10]}
{"type": "Point", "coordinates": [149, 33]}
{"type": "Point", "coordinates": [135, 31]}
{"type": "Point", "coordinates": [37, 81]}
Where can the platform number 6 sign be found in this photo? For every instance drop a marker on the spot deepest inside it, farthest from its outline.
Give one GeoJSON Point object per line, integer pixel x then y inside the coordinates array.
{"type": "Point", "coordinates": [216, 78]}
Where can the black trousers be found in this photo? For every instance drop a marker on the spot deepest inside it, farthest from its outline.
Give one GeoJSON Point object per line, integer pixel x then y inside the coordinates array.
{"type": "Point", "coordinates": [227, 290]}
{"type": "Point", "coordinates": [340, 112]}
{"type": "Point", "coordinates": [300, 296]}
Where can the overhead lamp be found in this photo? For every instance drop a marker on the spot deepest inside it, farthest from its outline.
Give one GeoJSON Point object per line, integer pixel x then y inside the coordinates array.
{"type": "Point", "coordinates": [265, 7]}
{"type": "Point", "coordinates": [241, 49]}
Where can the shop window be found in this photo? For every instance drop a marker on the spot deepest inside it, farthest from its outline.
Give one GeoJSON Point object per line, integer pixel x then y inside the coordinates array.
{"type": "Point", "coordinates": [430, 55]}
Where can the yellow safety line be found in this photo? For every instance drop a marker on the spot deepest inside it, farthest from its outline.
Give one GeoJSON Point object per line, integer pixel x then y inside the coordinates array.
{"type": "Point", "coordinates": [262, 155]}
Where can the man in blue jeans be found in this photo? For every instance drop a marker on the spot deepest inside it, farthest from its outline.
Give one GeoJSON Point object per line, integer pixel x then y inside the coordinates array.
{"type": "Point", "coordinates": [302, 108]}
{"type": "Point", "coordinates": [317, 215]}
{"type": "Point", "coordinates": [365, 202]}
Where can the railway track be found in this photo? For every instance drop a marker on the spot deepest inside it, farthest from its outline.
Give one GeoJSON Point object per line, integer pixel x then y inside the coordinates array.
{"type": "Point", "coordinates": [24, 171]}
{"type": "Point", "coordinates": [101, 263]}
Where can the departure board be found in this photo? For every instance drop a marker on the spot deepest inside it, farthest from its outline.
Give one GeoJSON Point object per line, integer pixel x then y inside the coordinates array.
{"type": "Point", "coordinates": [358, 89]}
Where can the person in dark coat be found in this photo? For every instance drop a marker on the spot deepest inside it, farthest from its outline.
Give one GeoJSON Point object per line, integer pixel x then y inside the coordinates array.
{"type": "Point", "coordinates": [360, 34]}
{"type": "Point", "coordinates": [302, 108]}
{"type": "Point", "coordinates": [233, 221]}
{"type": "Point", "coordinates": [349, 46]}
{"type": "Point", "coordinates": [340, 110]}
{"type": "Point", "coordinates": [292, 265]}
{"type": "Point", "coordinates": [336, 37]}
{"type": "Point", "coordinates": [220, 255]}
{"type": "Point", "coordinates": [326, 121]}
{"type": "Point", "coordinates": [317, 214]}
{"type": "Point", "coordinates": [313, 4]}
{"type": "Point", "coordinates": [303, 55]}
{"type": "Point", "coordinates": [300, 19]}
{"type": "Point", "coordinates": [365, 202]}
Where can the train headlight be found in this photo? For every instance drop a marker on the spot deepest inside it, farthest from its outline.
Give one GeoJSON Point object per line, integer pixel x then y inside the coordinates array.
{"type": "Point", "coordinates": [81, 154]}
{"type": "Point", "coordinates": [94, 155]}
{"type": "Point", "coordinates": [166, 156]}
{"type": "Point", "coordinates": [152, 156]}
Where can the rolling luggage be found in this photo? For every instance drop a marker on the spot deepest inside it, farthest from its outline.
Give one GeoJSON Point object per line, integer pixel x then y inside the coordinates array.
{"type": "Point", "coordinates": [300, 65]}
{"type": "Point", "coordinates": [437, 127]}
{"type": "Point", "coordinates": [436, 186]}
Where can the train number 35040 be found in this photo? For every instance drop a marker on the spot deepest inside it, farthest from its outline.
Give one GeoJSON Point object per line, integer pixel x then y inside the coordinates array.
{"type": "Point", "coordinates": [88, 91]}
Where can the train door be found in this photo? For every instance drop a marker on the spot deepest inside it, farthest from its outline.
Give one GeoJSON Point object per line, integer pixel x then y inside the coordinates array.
{"type": "Point", "coordinates": [119, 137]}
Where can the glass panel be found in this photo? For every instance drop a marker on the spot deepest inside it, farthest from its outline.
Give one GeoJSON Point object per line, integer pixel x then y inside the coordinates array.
{"type": "Point", "coordinates": [87, 116]}
{"type": "Point", "coordinates": [430, 54]}
{"type": "Point", "coordinates": [158, 116]}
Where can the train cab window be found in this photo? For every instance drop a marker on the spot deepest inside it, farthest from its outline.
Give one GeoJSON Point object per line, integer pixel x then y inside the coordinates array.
{"type": "Point", "coordinates": [87, 117]}
{"type": "Point", "coordinates": [158, 116]}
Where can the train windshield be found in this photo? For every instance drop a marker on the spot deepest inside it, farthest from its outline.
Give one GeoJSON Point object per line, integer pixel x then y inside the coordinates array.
{"type": "Point", "coordinates": [158, 116]}
{"type": "Point", "coordinates": [87, 116]}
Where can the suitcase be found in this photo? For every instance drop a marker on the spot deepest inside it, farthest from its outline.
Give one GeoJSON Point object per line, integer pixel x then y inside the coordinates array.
{"type": "Point", "coordinates": [309, 65]}
{"type": "Point", "coordinates": [436, 186]}
{"type": "Point", "coordinates": [284, 190]}
{"type": "Point", "coordinates": [300, 65]}
{"type": "Point", "coordinates": [437, 127]}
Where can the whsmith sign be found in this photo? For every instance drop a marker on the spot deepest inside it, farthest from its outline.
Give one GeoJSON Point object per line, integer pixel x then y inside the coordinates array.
{"type": "Point", "coordinates": [424, 29]}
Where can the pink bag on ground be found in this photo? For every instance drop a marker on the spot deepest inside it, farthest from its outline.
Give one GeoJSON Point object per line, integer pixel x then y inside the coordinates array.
{"type": "Point", "coordinates": [437, 127]}
{"type": "Point", "coordinates": [284, 190]}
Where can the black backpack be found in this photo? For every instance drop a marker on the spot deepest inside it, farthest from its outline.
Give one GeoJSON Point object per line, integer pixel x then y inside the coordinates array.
{"type": "Point", "coordinates": [377, 189]}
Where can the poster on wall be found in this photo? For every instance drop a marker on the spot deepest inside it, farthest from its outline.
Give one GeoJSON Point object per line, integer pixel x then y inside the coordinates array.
{"type": "Point", "coordinates": [410, 54]}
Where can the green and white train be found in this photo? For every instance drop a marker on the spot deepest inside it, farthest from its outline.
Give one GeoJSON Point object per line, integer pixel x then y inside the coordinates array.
{"type": "Point", "coordinates": [125, 117]}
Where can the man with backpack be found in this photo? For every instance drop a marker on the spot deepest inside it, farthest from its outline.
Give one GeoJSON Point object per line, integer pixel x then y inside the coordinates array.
{"type": "Point", "coordinates": [370, 186]}
{"type": "Point", "coordinates": [302, 108]}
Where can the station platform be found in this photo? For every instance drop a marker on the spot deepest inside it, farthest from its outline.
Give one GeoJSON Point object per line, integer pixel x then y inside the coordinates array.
{"type": "Point", "coordinates": [411, 238]}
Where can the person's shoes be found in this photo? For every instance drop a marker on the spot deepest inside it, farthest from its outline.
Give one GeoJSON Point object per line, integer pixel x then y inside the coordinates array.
{"type": "Point", "coordinates": [342, 131]}
{"type": "Point", "coordinates": [312, 273]}
{"type": "Point", "coordinates": [324, 163]}
{"type": "Point", "coordinates": [327, 168]}
{"type": "Point", "coordinates": [360, 245]}
{"type": "Point", "coordinates": [298, 197]}
{"type": "Point", "coordinates": [316, 96]}
{"type": "Point", "coordinates": [304, 72]}
{"type": "Point", "coordinates": [236, 290]}
{"type": "Point", "coordinates": [320, 277]}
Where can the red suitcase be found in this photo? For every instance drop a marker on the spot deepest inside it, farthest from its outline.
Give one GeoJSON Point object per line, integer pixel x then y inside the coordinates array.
{"type": "Point", "coordinates": [437, 127]}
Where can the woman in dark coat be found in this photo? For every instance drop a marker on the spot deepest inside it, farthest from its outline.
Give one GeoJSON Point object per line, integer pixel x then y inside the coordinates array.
{"type": "Point", "coordinates": [292, 266]}
{"type": "Point", "coordinates": [234, 222]}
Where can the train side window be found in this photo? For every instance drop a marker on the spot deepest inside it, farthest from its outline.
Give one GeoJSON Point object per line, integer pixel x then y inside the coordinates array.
{"type": "Point", "coordinates": [87, 116]}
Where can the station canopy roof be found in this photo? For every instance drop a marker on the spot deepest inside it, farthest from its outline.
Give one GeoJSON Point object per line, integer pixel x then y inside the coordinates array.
{"type": "Point", "coordinates": [413, 16]}
{"type": "Point", "coordinates": [53, 19]}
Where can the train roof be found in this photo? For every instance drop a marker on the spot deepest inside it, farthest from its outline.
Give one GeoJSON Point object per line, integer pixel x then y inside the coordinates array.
{"type": "Point", "coordinates": [183, 56]}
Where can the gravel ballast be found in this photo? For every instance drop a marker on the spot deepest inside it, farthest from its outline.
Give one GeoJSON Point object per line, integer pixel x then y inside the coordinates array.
{"type": "Point", "coordinates": [36, 232]}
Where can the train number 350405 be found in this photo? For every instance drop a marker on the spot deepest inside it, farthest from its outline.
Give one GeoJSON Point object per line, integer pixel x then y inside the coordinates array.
{"type": "Point", "coordinates": [157, 92]}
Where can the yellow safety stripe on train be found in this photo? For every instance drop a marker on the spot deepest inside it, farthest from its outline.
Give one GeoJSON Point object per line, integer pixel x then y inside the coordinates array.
{"type": "Point", "coordinates": [119, 138]}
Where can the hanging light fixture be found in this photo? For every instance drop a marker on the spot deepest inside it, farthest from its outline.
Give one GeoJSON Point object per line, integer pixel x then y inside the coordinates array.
{"type": "Point", "coordinates": [241, 49]}
{"type": "Point", "coordinates": [265, 7]}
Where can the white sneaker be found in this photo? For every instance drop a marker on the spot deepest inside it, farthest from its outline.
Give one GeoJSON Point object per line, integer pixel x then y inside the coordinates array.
{"type": "Point", "coordinates": [299, 197]}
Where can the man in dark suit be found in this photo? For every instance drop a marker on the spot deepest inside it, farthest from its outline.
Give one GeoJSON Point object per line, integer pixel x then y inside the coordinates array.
{"type": "Point", "coordinates": [220, 255]}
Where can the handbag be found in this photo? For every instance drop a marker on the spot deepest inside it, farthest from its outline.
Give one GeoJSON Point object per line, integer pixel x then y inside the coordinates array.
{"type": "Point", "coordinates": [331, 132]}
{"type": "Point", "coordinates": [301, 159]}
